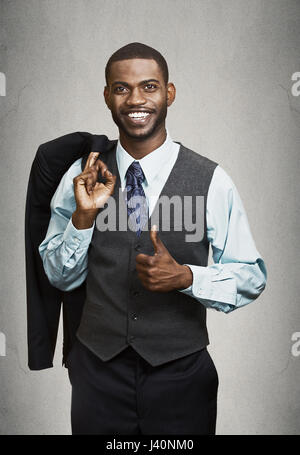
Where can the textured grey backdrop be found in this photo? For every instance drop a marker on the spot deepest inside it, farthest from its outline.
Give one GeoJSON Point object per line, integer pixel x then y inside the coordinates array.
{"type": "Point", "coordinates": [232, 63]}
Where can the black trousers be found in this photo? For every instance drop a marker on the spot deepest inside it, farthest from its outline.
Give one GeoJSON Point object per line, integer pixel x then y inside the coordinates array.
{"type": "Point", "coordinates": [126, 395]}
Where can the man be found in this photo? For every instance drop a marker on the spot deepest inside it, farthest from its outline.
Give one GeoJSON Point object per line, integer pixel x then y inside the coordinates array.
{"type": "Point", "coordinates": [140, 363]}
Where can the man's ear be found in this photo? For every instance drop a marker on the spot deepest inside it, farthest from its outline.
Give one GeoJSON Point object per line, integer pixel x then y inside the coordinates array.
{"type": "Point", "coordinates": [106, 96]}
{"type": "Point", "coordinates": [171, 93]}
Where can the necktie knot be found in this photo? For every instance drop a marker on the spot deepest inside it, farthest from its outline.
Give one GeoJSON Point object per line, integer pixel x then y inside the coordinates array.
{"type": "Point", "coordinates": [135, 173]}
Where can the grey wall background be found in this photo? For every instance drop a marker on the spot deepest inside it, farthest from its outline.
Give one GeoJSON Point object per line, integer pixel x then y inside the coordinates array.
{"type": "Point", "coordinates": [232, 63]}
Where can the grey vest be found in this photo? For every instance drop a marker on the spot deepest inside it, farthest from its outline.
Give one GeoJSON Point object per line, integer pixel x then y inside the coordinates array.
{"type": "Point", "coordinates": [119, 311]}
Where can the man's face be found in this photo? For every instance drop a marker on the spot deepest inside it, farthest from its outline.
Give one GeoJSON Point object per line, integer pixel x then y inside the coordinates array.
{"type": "Point", "coordinates": [138, 97]}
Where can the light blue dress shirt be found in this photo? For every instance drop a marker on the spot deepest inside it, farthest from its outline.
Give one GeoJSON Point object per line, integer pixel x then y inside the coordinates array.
{"type": "Point", "coordinates": [238, 275]}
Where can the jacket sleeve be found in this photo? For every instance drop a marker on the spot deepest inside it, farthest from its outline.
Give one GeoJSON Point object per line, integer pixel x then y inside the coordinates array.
{"type": "Point", "coordinates": [43, 300]}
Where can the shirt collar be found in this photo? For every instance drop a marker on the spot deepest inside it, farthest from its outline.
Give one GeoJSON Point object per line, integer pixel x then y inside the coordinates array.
{"type": "Point", "coordinates": [151, 163]}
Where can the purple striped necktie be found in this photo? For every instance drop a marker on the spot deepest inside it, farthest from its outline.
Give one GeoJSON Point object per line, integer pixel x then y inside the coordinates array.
{"type": "Point", "coordinates": [137, 207]}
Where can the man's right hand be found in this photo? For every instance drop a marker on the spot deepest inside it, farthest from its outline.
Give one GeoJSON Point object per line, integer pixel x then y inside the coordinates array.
{"type": "Point", "coordinates": [90, 195]}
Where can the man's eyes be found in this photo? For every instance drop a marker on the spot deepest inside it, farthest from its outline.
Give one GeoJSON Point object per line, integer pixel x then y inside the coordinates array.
{"type": "Point", "coordinates": [121, 89]}
{"type": "Point", "coordinates": [151, 85]}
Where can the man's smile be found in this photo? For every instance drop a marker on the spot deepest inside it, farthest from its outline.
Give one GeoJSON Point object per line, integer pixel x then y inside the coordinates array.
{"type": "Point", "coordinates": [138, 117]}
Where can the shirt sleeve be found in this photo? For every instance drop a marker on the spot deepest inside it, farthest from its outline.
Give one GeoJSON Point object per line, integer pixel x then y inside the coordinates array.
{"type": "Point", "coordinates": [64, 249]}
{"type": "Point", "coordinates": [238, 275]}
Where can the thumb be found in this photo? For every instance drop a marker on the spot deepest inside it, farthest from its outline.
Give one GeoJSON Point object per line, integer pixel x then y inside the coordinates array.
{"type": "Point", "coordinates": [157, 243]}
{"type": "Point", "coordinates": [110, 180]}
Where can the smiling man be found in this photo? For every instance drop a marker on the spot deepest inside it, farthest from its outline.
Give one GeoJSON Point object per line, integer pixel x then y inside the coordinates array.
{"type": "Point", "coordinates": [140, 363]}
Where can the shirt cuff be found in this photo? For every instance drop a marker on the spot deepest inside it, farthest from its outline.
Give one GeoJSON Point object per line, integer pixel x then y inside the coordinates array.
{"type": "Point", "coordinates": [199, 279]}
{"type": "Point", "coordinates": [204, 286]}
{"type": "Point", "coordinates": [77, 238]}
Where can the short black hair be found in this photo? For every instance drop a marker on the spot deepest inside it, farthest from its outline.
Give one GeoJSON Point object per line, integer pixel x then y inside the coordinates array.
{"type": "Point", "coordinates": [138, 50]}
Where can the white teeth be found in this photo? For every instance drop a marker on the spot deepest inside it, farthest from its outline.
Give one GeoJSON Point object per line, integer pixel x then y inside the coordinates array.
{"type": "Point", "coordinates": [138, 114]}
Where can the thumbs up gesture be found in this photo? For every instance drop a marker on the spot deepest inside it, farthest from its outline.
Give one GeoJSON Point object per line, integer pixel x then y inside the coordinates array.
{"type": "Point", "coordinates": [160, 272]}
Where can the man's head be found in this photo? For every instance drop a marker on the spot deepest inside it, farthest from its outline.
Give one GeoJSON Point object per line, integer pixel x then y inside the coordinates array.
{"type": "Point", "coordinates": [137, 90]}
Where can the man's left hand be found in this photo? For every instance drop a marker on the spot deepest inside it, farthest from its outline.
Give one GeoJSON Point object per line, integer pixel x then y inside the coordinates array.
{"type": "Point", "coordinates": [161, 272]}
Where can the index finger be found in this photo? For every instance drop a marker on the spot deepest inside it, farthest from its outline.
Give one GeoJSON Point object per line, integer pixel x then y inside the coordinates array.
{"type": "Point", "coordinates": [144, 259]}
{"type": "Point", "coordinates": [91, 160]}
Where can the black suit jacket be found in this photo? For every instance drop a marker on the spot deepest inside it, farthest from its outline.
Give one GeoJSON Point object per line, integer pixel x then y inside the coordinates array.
{"type": "Point", "coordinates": [44, 302]}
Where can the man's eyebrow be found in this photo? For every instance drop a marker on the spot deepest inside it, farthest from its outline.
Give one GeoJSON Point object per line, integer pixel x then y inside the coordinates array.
{"type": "Point", "coordinates": [140, 83]}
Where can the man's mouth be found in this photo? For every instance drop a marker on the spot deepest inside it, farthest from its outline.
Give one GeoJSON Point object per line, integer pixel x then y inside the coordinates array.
{"type": "Point", "coordinates": [138, 117]}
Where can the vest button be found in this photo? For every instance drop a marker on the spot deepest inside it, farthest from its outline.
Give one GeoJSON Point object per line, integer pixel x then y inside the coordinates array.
{"type": "Point", "coordinates": [134, 317]}
{"type": "Point", "coordinates": [135, 293]}
{"type": "Point", "coordinates": [137, 247]}
{"type": "Point", "coordinates": [130, 339]}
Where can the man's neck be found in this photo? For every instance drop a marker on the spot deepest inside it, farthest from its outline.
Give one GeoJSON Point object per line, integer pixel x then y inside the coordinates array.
{"type": "Point", "coordinates": [140, 148]}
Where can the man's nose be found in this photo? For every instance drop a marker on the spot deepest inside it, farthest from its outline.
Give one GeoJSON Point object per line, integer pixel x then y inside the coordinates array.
{"type": "Point", "coordinates": [135, 97]}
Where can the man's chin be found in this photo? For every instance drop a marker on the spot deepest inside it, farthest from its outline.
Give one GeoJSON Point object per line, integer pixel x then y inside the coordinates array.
{"type": "Point", "coordinates": [140, 133]}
